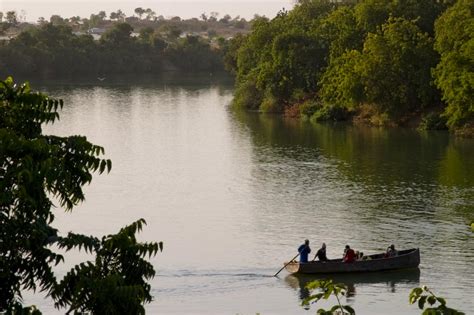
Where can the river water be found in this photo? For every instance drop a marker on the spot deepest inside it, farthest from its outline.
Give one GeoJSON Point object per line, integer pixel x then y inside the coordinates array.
{"type": "Point", "coordinates": [233, 194]}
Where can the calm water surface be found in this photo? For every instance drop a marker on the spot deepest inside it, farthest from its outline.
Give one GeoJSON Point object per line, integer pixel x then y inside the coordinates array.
{"type": "Point", "coordinates": [232, 195]}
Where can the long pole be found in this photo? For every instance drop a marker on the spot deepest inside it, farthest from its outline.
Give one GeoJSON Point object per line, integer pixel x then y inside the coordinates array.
{"type": "Point", "coordinates": [286, 265]}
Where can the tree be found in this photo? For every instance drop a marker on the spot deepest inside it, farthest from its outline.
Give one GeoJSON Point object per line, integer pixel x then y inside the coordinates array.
{"type": "Point", "coordinates": [34, 168]}
{"type": "Point", "coordinates": [118, 35]}
{"type": "Point", "coordinates": [118, 15]}
{"type": "Point", "coordinates": [11, 17]}
{"type": "Point", "coordinates": [102, 15]}
{"type": "Point", "coordinates": [150, 14]}
{"type": "Point", "coordinates": [230, 53]}
{"type": "Point", "coordinates": [95, 20]}
{"type": "Point", "coordinates": [115, 283]}
{"type": "Point", "coordinates": [396, 68]}
{"type": "Point", "coordinates": [146, 35]}
{"type": "Point", "coordinates": [213, 17]}
{"type": "Point", "coordinates": [140, 11]}
{"type": "Point", "coordinates": [41, 21]}
{"type": "Point", "coordinates": [56, 20]}
{"type": "Point", "coordinates": [342, 85]}
{"type": "Point", "coordinates": [171, 32]}
{"type": "Point", "coordinates": [75, 20]}
{"type": "Point", "coordinates": [341, 30]}
{"type": "Point", "coordinates": [226, 19]}
{"type": "Point", "coordinates": [158, 43]}
{"type": "Point", "coordinates": [370, 14]}
{"type": "Point", "coordinates": [423, 12]}
{"type": "Point", "coordinates": [454, 75]}
{"type": "Point", "coordinates": [285, 56]}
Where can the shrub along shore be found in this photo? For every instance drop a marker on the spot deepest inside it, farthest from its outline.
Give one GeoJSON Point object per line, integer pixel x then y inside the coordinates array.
{"type": "Point", "coordinates": [378, 62]}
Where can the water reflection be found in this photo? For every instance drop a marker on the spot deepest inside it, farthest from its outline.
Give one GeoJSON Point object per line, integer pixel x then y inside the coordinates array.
{"type": "Point", "coordinates": [239, 191]}
{"type": "Point", "coordinates": [391, 279]}
{"type": "Point", "coordinates": [365, 153]}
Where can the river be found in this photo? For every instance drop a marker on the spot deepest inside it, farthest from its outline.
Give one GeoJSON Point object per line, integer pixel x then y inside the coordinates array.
{"type": "Point", "coordinates": [233, 194]}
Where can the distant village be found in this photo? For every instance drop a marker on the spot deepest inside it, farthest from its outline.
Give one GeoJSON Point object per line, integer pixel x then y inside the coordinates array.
{"type": "Point", "coordinates": [210, 26]}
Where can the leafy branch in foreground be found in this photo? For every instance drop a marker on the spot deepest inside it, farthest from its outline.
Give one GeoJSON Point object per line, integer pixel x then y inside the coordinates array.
{"type": "Point", "coordinates": [416, 295]}
{"type": "Point", "coordinates": [34, 168]}
{"type": "Point", "coordinates": [116, 282]}
{"type": "Point", "coordinates": [328, 288]}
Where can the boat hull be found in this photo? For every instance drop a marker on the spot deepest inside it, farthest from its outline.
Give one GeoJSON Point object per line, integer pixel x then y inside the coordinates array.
{"type": "Point", "coordinates": [404, 260]}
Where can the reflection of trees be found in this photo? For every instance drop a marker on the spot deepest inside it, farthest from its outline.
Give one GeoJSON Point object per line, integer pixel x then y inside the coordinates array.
{"type": "Point", "coordinates": [395, 168]}
{"type": "Point", "coordinates": [352, 281]}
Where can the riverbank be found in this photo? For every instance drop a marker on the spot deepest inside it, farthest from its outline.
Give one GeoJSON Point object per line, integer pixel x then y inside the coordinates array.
{"type": "Point", "coordinates": [379, 64]}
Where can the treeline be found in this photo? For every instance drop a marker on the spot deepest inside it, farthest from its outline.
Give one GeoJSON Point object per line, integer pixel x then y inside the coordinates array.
{"type": "Point", "coordinates": [211, 24]}
{"type": "Point", "coordinates": [55, 50]}
{"type": "Point", "coordinates": [382, 62]}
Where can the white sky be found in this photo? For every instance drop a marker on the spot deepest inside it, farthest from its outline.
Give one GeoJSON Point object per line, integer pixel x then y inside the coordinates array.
{"type": "Point", "coordinates": [33, 9]}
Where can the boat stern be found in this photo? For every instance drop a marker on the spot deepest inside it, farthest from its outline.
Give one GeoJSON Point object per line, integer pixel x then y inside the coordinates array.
{"type": "Point", "coordinates": [292, 267]}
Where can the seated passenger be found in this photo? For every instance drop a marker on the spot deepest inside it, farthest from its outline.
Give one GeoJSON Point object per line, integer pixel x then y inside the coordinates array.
{"type": "Point", "coordinates": [391, 251]}
{"type": "Point", "coordinates": [349, 255]}
{"type": "Point", "coordinates": [321, 253]}
{"type": "Point", "coordinates": [359, 255]}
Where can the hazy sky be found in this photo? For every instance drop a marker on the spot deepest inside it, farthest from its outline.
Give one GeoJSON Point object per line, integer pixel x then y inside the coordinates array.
{"type": "Point", "coordinates": [33, 9]}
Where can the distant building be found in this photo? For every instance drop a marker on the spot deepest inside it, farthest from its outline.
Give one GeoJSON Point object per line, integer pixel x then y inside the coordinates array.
{"type": "Point", "coordinates": [96, 32]}
{"type": "Point", "coordinates": [6, 38]}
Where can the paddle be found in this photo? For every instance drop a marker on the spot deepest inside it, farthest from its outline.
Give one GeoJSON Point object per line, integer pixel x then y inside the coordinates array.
{"type": "Point", "coordinates": [286, 265]}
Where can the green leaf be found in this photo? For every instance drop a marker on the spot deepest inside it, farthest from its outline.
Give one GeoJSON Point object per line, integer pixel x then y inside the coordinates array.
{"type": "Point", "coordinates": [431, 300]}
{"type": "Point", "coordinates": [421, 302]}
{"type": "Point", "coordinates": [349, 309]}
{"type": "Point", "coordinates": [441, 300]}
{"type": "Point", "coordinates": [415, 294]}
{"type": "Point", "coordinates": [335, 308]}
{"type": "Point", "coordinates": [430, 311]}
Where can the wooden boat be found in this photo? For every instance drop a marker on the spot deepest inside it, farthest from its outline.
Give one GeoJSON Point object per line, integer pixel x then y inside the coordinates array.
{"type": "Point", "coordinates": [405, 259]}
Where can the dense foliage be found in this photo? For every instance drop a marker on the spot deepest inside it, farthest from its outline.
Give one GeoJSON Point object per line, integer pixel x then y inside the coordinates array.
{"type": "Point", "coordinates": [115, 283]}
{"type": "Point", "coordinates": [326, 289]}
{"type": "Point", "coordinates": [455, 73]}
{"type": "Point", "coordinates": [437, 305]}
{"type": "Point", "coordinates": [372, 60]}
{"type": "Point", "coordinates": [34, 168]}
{"type": "Point", "coordinates": [55, 49]}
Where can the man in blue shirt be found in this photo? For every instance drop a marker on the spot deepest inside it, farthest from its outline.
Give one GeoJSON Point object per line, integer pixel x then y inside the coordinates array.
{"type": "Point", "coordinates": [304, 251]}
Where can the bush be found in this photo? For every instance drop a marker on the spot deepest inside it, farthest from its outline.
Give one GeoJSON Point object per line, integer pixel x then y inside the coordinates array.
{"type": "Point", "coordinates": [270, 104]}
{"type": "Point", "coordinates": [433, 121]}
{"type": "Point", "coordinates": [309, 107]}
{"type": "Point", "coordinates": [334, 113]}
{"type": "Point", "coordinates": [247, 96]}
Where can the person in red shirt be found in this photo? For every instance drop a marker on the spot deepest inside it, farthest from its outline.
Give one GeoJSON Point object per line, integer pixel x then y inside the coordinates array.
{"type": "Point", "coordinates": [349, 255]}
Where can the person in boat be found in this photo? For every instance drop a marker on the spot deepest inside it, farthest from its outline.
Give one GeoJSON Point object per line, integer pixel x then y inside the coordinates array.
{"type": "Point", "coordinates": [321, 253]}
{"type": "Point", "coordinates": [360, 256]}
{"type": "Point", "coordinates": [304, 251]}
{"type": "Point", "coordinates": [391, 251]}
{"type": "Point", "coordinates": [349, 255]}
